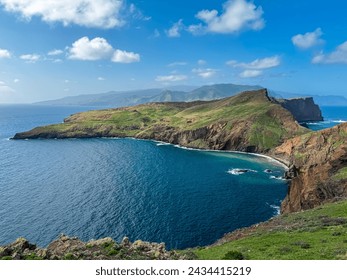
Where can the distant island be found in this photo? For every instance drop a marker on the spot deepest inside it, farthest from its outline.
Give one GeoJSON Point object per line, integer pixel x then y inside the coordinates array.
{"type": "Point", "coordinates": [250, 122]}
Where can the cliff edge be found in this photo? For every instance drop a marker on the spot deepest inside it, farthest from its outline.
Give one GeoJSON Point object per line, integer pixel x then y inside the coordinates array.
{"type": "Point", "coordinates": [318, 168]}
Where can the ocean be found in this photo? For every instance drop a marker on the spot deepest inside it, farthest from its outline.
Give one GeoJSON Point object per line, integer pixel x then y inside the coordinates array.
{"type": "Point", "coordinates": [333, 115]}
{"type": "Point", "coordinates": [95, 188]}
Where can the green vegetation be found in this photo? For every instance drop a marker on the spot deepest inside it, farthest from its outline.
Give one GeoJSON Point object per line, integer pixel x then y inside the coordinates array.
{"type": "Point", "coordinates": [110, 248]}
{"type": "Point", "coordinates": [315, 234]}
{"type": "Point", "coordinates": [69, 257]}
{"type": "Point", "coordinates": [341, 174]}
{"type": "Point", "coordinates": [32, 256]}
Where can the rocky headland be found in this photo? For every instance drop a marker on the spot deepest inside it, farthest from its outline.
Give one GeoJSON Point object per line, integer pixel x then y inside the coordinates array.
{"type": "Point", "coordinates": [303, 109]}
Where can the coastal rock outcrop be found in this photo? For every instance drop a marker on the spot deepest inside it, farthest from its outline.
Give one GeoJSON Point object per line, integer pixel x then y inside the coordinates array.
{"type": "Point", "coordinates": [71, 248]}
{"type": "Point", "coordinates": [303, 109]}
{"type": "Point", "coordinates": [318, 162]}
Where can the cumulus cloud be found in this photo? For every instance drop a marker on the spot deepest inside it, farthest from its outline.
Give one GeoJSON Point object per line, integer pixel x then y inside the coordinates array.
{"type": "Point", "coordinates": [251, 73]}
{"type": "Point", "coordinates": [95, 49]}
{"type": "Point", "coordinates": [308, 40]}
{"type": "Point", "coordinates": [90, 13]}
{"type": "Point", "coordinates": [264, 63]}
{"type": "Point", "coordinates": [30, 58]}
{"type": "Point", "coordinates": [5, 53]}
{"type": "Point", "coordinates": [339, 55]}
{"type": "Point", "coordinates": [205, 73]}
{"type": "Point", "coordinates": [120, 56]}
{"type": "Point", "coordinates": [175, 30]}
{"type": "Point", "coordinates": [98, 49]}
{"type": "Point", "coordinates": [237, 15]}
{"type": "Point", "coordinates": [255, 68]}
{"type": "Point", "coordinates": [55, 52]}
{"type": "Point", "coordinates": [171, 78]}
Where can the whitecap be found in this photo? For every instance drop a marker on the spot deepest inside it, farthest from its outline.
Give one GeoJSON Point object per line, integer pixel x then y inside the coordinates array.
{"type": "Point", "coordinates": [239, 171]}
{"type": "Point", "coordinates": [276, 208]}
{"type": "Point", "coordinates": [278, 178]}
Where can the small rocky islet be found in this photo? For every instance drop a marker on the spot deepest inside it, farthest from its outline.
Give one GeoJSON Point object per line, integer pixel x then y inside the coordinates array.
{"type": "Point", "coordinates": [249, 122]}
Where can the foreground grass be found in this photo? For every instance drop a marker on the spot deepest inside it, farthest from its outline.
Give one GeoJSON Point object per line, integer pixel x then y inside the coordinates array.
{"type": "Point", "coordinates": [318, 234]}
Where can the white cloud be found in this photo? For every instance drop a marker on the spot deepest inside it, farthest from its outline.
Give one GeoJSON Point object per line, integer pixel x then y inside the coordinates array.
{"type": "Point", "coordinates": [98, 49]}
{"type": "Point", "coordinates": [237, 15]}
{"type": "Point", "coordinates": [5, 89]}
{"type": "Point", "coordinates": [177, 63]}
{"type": "Point", "coordinates": [101, 79]}
{"type": "Point", "coordinates": [137, 14]}
{"type": "Point", "coordinates": [308, 40]}
{"type": "Point", "coordinates": [120, 56]}
{"type": "Point", "coordinates": [95, 49]}
{"type": "Point", "coordinates": [16, 81]}
{"type": "Point", "coordinates": [175, 30]}
{"type": "Point", "coordinates": [90, 13]}
{"type": "Point", "coordinates": [255, 68]}
{"type": "Point", "coordinates": [55, 52]}
{"type": "Point", "coordinates": [205, 73]}
{"type": "Point", "coordinates": [202, 62]}
{"type": "Point", "coordinates": [5, 53]}
{"type": "Point", "coordinates": [30, 58]}
{"type": "Point", "coordinates": [251, 73]}
{"type": "Point", "coordinates": [264, 63]}
{"type": "Point", "coordinates": [171, 78]}
{"type": "Point", "coordinates": [339, 55]}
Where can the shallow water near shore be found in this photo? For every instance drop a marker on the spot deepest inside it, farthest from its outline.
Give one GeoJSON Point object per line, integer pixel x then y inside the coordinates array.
{"type": "Point", "coordinates": [93, 188]}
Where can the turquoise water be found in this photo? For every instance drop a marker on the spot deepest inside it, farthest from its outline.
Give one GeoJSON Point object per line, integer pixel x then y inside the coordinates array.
{"type": "Point", "coordinates": [333, 115]}
{"type": "Point", "coordinates": [93, 188]}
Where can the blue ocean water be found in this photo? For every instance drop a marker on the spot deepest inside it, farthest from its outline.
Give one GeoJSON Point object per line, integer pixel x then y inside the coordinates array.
{"type": "Point", "coordinates": [94, 188]}
{"type": "Point", "coordinates": [333, 115]}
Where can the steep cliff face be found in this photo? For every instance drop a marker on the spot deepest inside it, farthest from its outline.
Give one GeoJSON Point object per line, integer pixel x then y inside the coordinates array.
{"type": "Point", "coordinates": [250, 122]}
{"type": "Point", "coordinates": [303, 109]}
{"type": "Point", "coordinates": [318, 168]}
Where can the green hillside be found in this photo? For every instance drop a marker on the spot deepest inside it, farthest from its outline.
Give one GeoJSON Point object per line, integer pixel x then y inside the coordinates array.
{"type": "Point", "coordinates": [318, 234]}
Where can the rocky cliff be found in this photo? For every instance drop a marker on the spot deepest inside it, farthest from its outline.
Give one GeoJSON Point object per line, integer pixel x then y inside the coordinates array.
{"type": "Point", "coordinates": [303, 109]}
{"type": "Point", "coordinates": [318, 168]}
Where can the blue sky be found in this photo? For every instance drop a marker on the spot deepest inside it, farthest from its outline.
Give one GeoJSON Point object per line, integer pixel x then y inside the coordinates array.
{"type": "Point", "coordinates": [52, 49]}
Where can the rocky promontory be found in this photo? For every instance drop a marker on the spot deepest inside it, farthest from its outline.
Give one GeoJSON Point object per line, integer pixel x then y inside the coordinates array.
{"type": "Point", "coordinates": [249, 122]}
{"type": "Point", "coordinates": [303, 109]}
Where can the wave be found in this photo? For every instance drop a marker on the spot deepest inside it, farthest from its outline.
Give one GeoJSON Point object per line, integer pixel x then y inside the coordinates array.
{"type": "Point", "coordinates": [276, 208]}
{"type": "Point", "coordinates": [278, 178]}
{"type": "Point", "coordinates": [162, 144]}
{"type": "Point", "coordinates": [339, 121]}
{"type": "Point", "coordinates": [239, 171]}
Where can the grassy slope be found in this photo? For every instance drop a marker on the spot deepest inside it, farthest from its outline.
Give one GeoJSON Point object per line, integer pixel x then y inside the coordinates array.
{"type": "Point", "coordinates": [315, 234]}
{"type": "Point", "coordinates": [250, 109]}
